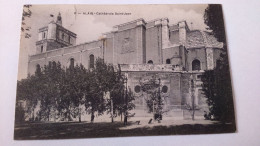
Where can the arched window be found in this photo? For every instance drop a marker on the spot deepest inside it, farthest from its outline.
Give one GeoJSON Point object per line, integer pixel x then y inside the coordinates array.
{"type": "Point", "coordinates": [72, 62]}
{"type": "Point", "coordinates": [41, 48]}
{"type": "Point", "coordinates": [150, 62]}
{"type": "Point", "coordinates": [62, 36]}
{"type": "Point", "coordinates": [91, 61]}
{"type": "Point", "coordinates": [137, 89]}
{"type": "Point", "coordinates": [196, 64]}
{"type": "Point", "coordinates": [164, 89]}
{"type": "Point", "coordinates": [168, 61]}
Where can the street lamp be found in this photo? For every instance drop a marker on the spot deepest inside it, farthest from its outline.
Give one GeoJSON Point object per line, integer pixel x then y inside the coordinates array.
{"type": "Point", "coordinates": [192, 97]}
{"type": "Point", "coordinates": [159, 102]}
{"type": "Point", "coordinates": [158, 114]}
{"type": "Point", "coordinates": [126, 100]}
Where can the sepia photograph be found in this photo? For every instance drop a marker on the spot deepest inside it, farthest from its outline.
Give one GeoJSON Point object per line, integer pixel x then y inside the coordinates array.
{"type": "Point", "coordinates": [94, 71]}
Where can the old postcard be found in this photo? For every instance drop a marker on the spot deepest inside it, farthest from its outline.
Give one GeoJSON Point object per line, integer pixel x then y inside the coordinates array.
{"type": "Point", "coordinates": [89, 71]}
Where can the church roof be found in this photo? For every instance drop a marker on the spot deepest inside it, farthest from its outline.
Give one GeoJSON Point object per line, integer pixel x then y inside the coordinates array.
{"type": "Point", "coordinates": [198, 39]}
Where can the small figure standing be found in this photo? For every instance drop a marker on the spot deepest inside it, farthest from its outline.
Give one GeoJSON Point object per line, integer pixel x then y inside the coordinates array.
{"type": "Point", "coordinates": [125, 119]}
{"type": "Point", "coordinates": [92, 118]}
{"type": "Point", "coordinates": [150, 121]}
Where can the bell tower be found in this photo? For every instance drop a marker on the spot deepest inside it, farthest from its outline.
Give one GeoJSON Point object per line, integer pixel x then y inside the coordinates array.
{"type": "Point", "coordinates": [54, 36]}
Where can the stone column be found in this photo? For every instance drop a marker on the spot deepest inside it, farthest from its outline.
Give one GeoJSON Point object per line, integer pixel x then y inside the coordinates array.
{"type": "Point", "coordinates": [165, 33]}
{"type": "Point", "coordinates": [52, 31]}
{"type": "Point", "coordinates": [182, 32]}
{"type": "Point", "coordinates": [140, 59]}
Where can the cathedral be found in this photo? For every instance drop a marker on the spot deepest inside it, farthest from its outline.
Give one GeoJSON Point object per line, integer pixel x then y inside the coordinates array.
{"type": "Point", "coordinates": [172, 54]}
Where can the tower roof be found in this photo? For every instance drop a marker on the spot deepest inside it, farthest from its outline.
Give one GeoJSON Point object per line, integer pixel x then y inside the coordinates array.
{"type": "Point", "coordinates": [197, 39]}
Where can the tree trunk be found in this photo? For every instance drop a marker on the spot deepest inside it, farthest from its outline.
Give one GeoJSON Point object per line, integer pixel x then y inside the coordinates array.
{"type": "Point", "coordinates": [79, 111]}
{"type": "Point", "coordinates": [66, 116]}
{"type": "Point", "coordinates": [193, 106]}
{"type": "Point", "coordinates": [92, 116]}
{"type": "Point", "coordinates": [48, 115]}
{"type": "Point", "coordinates": [112, 112]}
{"type": "Point", "coordinates": [69, 113]}
{"type": "Point", "coordinates": [121, 116]}
{"type": "Point", "coordinates": [33, 115]}
{"type": "Point", "coordinates": [55, 116]}
{"type": "Point", "coordinates": [69, 116]}
{"type": "Point", "coordinates": [153, 111]}
{"type": "Point", "coordinates": [40, 116]}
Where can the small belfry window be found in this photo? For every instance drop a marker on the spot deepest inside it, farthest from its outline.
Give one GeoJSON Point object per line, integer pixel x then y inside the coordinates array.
{"type": "Point", "coordinates": [91, 61]}
{"type": "Point", "coordinates": [150, 62]}
{"type": "Point", "coordinates": [168, 61]}
{"type": "Point", "coordinates": [41, 49]}
{"type": "Point", "coordinates": [72, 62]}
{"type": "Point", "coordinates": [62, 36]}
{"type": "Point", "coordinates": [196, 64]}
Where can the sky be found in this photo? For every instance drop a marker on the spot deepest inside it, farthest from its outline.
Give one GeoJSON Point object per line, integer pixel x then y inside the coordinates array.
{"type": "Point", "coordinates": [91, 27]}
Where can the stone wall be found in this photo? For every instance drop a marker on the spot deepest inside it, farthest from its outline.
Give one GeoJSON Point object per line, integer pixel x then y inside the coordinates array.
{"type": "Point", "coordinates": [174, 54]}
{"type": "Point", "coordinates": [171, 80]}
{"type": "Point", "coordinates": [80, 54]}
{"type": "Point", "coordinates": [154, 44]}
{"type": "Point", "coordinates": [109, 50]}
{"type": "Point", "coordinates": [199, 54]}
{"type": "Point", "coordinates": [174, 37]}
{"type": "Point", "coordinates": [51, 45]}
{"type": "Point", "coordinates": [175, 98]}
{"type": "Point", "coordinates": [128, 44]}
{"type": "Point", "coordinates": [149, 68]}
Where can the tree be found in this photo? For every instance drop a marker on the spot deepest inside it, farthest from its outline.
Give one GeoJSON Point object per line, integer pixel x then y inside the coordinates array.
{"type": "Point", "coordinates": [27, 91]}
{"type": "Point", "coordinates": [191, 107]}
{"type": "Point", "coordinates": [26, 14]}
{"type": "Point", "coordinates": [129, 105]}
{"type": "Point", "coordinates": [98, 84]}
{"type": "Point", "coordinates": [155, 100]}
{"type": "Point", "coordinates": [19, 113]}
{"type": "Point", "coordinates": [101, 80]}
{"type": "Point", "coordinates": [50, 91]}
{"type": "Point", "coordinates": [218, 91]}
{"type": "Point", "coordinates": [115, 95]}
{"type": "Point", "coordinates": [62, 92]}
{"type": "Point", "coordinates": [121, 98]}
{"type": "Point", "coordinates": [213, 18]}
{"type": "Point", "coordinates": [217, 82]}
{"type": "Point", "coordinates": [76, 83]}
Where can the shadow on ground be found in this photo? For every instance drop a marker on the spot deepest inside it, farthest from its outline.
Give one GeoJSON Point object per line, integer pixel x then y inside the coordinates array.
{"type": "Point", "coordinates": [69, 130]}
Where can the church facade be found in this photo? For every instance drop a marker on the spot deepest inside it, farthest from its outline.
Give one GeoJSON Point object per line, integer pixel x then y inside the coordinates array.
{"type": "Point", "coordinates": [173, 54]}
